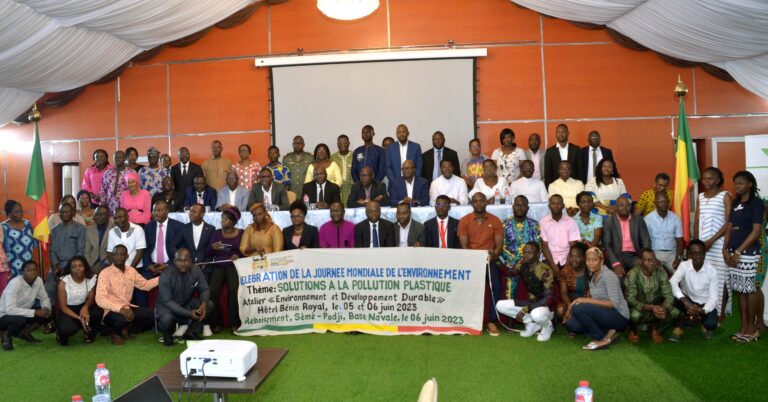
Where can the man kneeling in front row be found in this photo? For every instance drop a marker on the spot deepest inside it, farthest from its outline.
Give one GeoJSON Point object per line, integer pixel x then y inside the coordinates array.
{"type": "Point", "coordinates": [535, 311]}
{"type": "Point", "coordinates": [697, 297]}
{"type": "Point", "coordinates": [177, 302]}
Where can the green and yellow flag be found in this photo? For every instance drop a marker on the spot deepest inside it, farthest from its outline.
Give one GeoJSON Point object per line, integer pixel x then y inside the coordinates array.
{"type": "Point", "coordinates": [686, 172]}
{"type": "Point", "coordinates": [36, 191]}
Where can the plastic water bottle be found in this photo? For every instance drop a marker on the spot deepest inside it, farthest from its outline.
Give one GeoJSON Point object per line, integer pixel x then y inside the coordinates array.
{"type": "Point", "coordinates": [583, 392]}
{"type": "Point", "coordinates": [497, 197]}
{"type": "Point", "coordinates": [507, 197]}
{"type": "Point", "coordinates": [101, 380]}
{"type": "Point", "coordinates": [306, 199]}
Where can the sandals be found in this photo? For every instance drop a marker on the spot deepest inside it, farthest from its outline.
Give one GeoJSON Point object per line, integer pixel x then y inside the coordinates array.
{"type": "Point", "coordinates": [748, 338]}
{"type": "Point", "coordinates": [595, 346]}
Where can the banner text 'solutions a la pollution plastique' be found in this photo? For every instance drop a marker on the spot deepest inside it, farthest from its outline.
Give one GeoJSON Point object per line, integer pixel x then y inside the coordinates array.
{"type": "Point", "coordinates": [387, 291]}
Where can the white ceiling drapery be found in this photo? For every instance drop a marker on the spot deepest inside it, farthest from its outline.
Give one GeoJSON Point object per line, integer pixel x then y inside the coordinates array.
{"type": "Point", "coordinates": [58, 45]}
{"type": "Point", "coordinates": [730, 34]}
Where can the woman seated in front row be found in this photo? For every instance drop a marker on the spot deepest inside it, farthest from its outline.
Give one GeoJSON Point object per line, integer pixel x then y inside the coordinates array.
{"type": "Point", "coordinates": [76, 298]}
{"type": "Point", "coordinates": [605, 312]}
{"type": "Point", "coordinates": [574, 279]}
{"type": "Point", "coordinates": [534, 312]}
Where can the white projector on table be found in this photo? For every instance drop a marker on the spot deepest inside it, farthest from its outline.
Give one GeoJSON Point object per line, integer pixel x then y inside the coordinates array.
{"type": "Point", "coordinates": [218, 358]}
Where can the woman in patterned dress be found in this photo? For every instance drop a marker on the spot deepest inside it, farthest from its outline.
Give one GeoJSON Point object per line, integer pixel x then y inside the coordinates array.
{"type": "Point", "coordinates": [713, 208]}
{"type": "Point", "coordinates": [508, 157]}
{"type": "Point", "coordinates": [246, 169]}
{"type": "Point", "coordinates": [590, 224]}
{"type": "Point", "coordinates": [18, 241]}
{"type": "Point", "coordinates": [113, 183]}
{"type": "Point", "coordinates": [742, 252]}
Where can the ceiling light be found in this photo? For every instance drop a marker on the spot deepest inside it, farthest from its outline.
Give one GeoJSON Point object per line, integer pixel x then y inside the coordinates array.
{"type": "Point", "coordinates": [347, 10]}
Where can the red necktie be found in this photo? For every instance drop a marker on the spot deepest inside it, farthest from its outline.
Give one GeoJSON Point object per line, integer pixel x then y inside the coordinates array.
{"type": "Point", "coordinates": [442, 235]}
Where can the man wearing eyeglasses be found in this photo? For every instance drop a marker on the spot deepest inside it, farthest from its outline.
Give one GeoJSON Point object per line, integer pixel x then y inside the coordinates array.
{"type": "Point", "coordinates": [268, 191]}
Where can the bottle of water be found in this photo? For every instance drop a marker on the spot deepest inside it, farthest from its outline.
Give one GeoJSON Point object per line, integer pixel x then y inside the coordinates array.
{"type": "Point", "coordinates": [583, 392]}
{"type": "Point", "coordinates": [497, 197]}
{"type": "Point", "coordinates": [101, 381]}
{"type": "Point", "coordinates": [306, 200]}
{"type": "Point", "coordinates": [507, 197]}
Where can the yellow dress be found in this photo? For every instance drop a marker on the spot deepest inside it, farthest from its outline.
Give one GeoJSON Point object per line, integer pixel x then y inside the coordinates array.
{"type": "Point", "coordinates": [333, 172]}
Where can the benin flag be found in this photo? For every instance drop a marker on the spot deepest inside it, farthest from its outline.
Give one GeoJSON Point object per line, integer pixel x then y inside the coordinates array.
{"type": "Point", "coordinates": [686, 172]}
{"type": "Point", "coordinates": [36, 191]}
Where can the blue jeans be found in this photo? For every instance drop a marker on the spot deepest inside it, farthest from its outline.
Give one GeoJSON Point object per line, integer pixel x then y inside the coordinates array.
{"type": "Point", "coordinates": [594, 320]}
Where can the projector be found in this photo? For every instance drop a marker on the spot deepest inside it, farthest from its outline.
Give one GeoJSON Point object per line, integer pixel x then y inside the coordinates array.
{"type": "Point", "coordinates": [218, 358]}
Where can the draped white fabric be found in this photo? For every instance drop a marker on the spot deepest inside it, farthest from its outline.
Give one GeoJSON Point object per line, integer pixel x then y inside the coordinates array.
{"type": "Point", "coordinates": [730, 34]}
{"type": "Point", "coordinates": [57, 45]}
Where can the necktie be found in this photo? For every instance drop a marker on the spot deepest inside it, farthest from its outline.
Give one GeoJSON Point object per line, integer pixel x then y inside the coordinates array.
{"type": "Point", "coordinates": [442, 235]}
{"type": "Point", "coordinates": [160, 244]}
{"type": "Point", "coordinates": [320, 195]}
{"type": "Point", "coordinates": [183, 170]}
{"type": "Point", "coordinates": [199, 198]}
{"type": "Point", "coordinates": [594, 160]}
{"type": "Point", "coordinates": [266, 199]}
{"type": "Point", "coordinates": [436, 170]}
{"type": "Point", "coordinates": [375, 237]}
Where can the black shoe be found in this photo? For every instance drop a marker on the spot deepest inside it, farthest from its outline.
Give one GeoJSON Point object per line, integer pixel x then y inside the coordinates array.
{"type": "Point", "coordinates": [63, 341]}
{"type": "Point", "coordinates": [192, 336]}
{"type": "Point", "coordinates": [28, 337]}
{"type": "Point", "coordinates": [7, 341]}
{"type": "Point", "coordinates": [49, 328]}
{"type": "Point", "coordinates": [168, 340]}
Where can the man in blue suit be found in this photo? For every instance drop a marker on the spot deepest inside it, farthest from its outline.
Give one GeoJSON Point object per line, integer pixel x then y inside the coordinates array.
{"type": "Point", "coordinates": [410, 149]}
{"type": "Point", "coordinates": [592, 154]}
{"type": "Point", "coordinates": [163, 238]}
{"type": "Point", "coordinates": [409, 188]}
{"type": "Point", "coordinates": [200, 193]}
{"type": "Point", "coordinates": [196, 234]}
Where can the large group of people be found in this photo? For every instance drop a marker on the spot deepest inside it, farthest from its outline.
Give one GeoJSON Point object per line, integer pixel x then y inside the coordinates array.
{"type": "Point", "coordinates": [599, 263]}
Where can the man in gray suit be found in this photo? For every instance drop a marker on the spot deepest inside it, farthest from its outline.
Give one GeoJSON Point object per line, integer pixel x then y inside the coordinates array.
{"type": "Point", "coordinates": [535, 154]}
{"type": "Point", "coordinates": [96, 239]}
{"type": "Point", "coordinates": [275, 192]}
{"type": "Point", "coordinates": [408, 232]}
{"type": "Point", "coordinates": [620, 257]}
{"type": "Point", "coordinates": [233, 195]}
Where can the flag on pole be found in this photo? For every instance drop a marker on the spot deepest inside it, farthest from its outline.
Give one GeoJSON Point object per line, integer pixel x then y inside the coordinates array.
{"type": "Point", "coordinates": [686, 172]}
{"type": "Point", "coordinates": [36, 191]}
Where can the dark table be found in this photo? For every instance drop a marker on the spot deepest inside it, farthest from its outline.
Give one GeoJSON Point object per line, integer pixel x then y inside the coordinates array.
{"type": "Point", "coordinates": [171, 377]}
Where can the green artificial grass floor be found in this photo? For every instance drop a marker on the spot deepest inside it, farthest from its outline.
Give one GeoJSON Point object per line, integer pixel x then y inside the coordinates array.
{"type": "Point", "coordinates": [343, 367]}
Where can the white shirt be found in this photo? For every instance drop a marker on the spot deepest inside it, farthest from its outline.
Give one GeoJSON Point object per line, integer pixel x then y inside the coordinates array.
{"type": "Point", "coordinates": [370, 224]}
{"type": "Point", "coordinates": [133, 240]}
{"type": "Point", "coordinates": [403, 152]}
{"type": "Point", "coordinates": [563, 152]}
{"type": "Point", "coordinates": [197, 232]}
{"type": "Point", "coordinates": [232, 196]}
{"type": "Point", "coordinates": [19, 297]}
{"type": "Point", "coordinates": [409, 187]}
{"type": "Point", "coordinates": [445, 227]}
{"type": "Point", "coordinates": [533, 189]}
{"type": "Point", "coordinates": [700, 287]}
{"type": "Point", "coordinates": [535, 158]}
{"type": "Point", "coordinates": [77, 293]}
{"type": "Point", "coordinates": [403, 234]}
{"type": "Point", "coordinates": [599, 155]}
{"type": "Point", "coordinates": [454, 187]}
{"type": "Point", "coordinates": [481, 187]}
{"type": "Point", "coordinates": [157, 240]}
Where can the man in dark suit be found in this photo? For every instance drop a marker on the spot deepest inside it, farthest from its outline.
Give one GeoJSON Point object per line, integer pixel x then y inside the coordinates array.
{"type": "Point", "coordinates": [438, 153]}
{"type": "Point", "coordinates": [277, 191]}
{"type": "Point", "coordinates": [321, 191]}
{"type": "Point", "coordinates": [553, 157]}
{"type": "Point", "coordinates": [184, 172]}
{"type": "Point", "coordinates": [196, 234]}
{"type": "Point", "coordinates": [97, 238]}
{"type": "Point", "coordinates": [592, 155]}
{"type": "Point", "coordinates": [409, 188]}
{"type": "Point", "coordinates": [374, 232]}
{"type": "Point", "coordinates": [617, 256]}
{"type": "Point", "coordinates": [442, 231]}
{"type": "Point", "coordinates": [412, 152]}
{"type": "Point", "coordinates": [200, 193]}
{"type": "Point", "coordinates": [163, 238]}
{"type": "Point", "coordinates": [366, 190]}
{"type": "Point", "coordinates": [408, 232]}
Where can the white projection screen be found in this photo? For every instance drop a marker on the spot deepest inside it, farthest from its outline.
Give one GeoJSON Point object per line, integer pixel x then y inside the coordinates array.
{"type": "Point", "coordinates": [320, 102]}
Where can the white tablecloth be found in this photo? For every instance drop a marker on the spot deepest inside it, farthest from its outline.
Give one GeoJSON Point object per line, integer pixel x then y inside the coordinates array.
{"type": "Point", "coordinates": [318, 217]}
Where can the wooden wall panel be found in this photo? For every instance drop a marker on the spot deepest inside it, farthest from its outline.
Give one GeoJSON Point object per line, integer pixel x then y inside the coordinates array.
{"type": "Point", "coordinates": [432, 22]}
{"type": "Point", "coordinates": [90, 115]}
{"type": "Point", "coordinates": [727, 126]}
{"type": "Point", "coordinates": [731, 158]}
{"type": "Point", "coordinates": [299, 24]}
{"type": "Point", "coordinates": [219, 96]}
{"type": "Point", "coordinates": [609, 81]}
{"type": "Point", "coordinates": [248, 39]}
{"type": "Point", "coordinates": [715, 96]}
{"type": "Point", "coordinates": [143, 104]}
{"type": "Point", "coordinates": [509, 84]}
{"type": "Point", "coordinates": [561, 31]}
